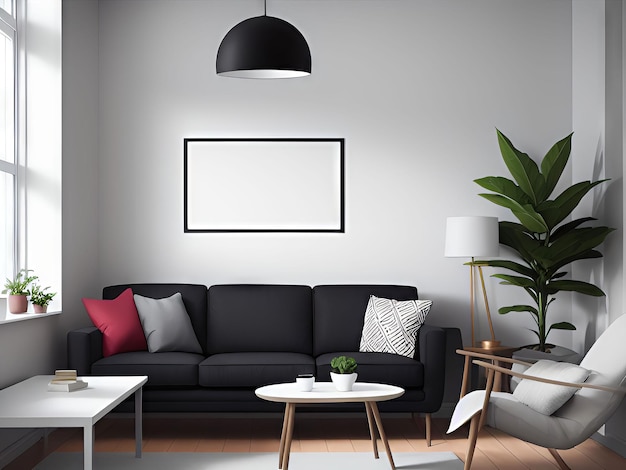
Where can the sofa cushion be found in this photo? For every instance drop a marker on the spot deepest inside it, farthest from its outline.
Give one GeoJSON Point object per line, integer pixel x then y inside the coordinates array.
{"type": "Point", "coordinates": [339, 311]}
{"type": "Point", "coordinates": [194, 298]}
{"type": "Point", "coordinates": [386, 368]}
{"type": "Point", "coordinates": [166, 368]}
{"type": "Point", "coordinates": [259, 318]}
{"type": "Point", "coordinates": [253, 369]}
{"type": "Point", "coordinates": [118, 321]}
{"type": "Point", "coordinates": [391, 326]}
{"type": "Point", "coordinates": [166, 324]}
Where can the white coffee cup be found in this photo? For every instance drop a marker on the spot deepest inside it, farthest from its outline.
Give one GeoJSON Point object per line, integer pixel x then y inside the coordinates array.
{"type": "Point", "coordinates": [305, 382]}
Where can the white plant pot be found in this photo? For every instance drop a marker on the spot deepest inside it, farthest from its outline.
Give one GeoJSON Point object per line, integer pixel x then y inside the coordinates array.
{"type": "Point", "coordinates": [343, 382]}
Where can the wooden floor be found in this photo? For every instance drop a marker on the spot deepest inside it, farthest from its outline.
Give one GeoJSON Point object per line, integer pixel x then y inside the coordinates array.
{"type": "Point", "coordinates": [314, 434]}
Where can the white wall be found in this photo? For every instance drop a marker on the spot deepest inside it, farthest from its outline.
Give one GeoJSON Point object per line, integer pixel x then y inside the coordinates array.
{"type": "Point", "coordinates": [415, 88]}
{"type": "Point", "coordinates": [598, 110]}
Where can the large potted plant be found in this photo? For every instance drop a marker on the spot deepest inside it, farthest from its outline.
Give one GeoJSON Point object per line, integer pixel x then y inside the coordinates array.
{"type": "Point", "coordinates": [18, 291]}
{"type": "Point", "coordinates": [544, 240]}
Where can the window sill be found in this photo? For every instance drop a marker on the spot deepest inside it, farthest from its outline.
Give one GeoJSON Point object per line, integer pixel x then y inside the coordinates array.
{"type": "Point", "coordinates": [15, 317]}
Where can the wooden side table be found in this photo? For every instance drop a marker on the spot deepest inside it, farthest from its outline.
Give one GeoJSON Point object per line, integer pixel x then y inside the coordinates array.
{"type": "Point", "coordinates": [484, 353]}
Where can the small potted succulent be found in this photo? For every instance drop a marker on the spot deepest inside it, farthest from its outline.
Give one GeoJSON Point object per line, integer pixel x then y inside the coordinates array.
{"type": "Point", "coordinates": [40, 298]}
{"type": "Point", "coordinates": [343, 372]}
{"type": "Point", "coordinates": [18, 291]}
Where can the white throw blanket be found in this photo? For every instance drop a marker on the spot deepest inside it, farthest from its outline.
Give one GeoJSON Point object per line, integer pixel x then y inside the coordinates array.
{"type": "Point", "coordinates": [471, 404]}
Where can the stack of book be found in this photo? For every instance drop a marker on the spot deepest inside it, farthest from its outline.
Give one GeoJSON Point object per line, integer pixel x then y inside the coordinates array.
{"type": "Point", "coordinates": [65, 381]}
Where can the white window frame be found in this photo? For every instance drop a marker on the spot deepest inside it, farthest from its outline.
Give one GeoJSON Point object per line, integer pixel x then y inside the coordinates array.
{"type": "Point", "coordinates": [8, 26]}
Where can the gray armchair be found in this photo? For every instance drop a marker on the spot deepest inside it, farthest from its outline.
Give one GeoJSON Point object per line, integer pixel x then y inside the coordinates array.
{"type": "Point", "coordinates": [574, 422]}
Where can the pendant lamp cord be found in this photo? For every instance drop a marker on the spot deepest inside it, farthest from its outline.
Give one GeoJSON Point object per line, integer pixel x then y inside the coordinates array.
{"type": "Point", "coordinates": [264, 7]}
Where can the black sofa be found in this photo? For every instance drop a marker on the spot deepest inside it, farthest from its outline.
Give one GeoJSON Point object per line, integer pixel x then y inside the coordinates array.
{"type": "Point", "coordinates": [256, 334]}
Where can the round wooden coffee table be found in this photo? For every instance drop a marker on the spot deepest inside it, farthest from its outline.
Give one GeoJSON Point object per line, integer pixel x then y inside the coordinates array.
{"type": "Point", "coordinates": [325, 392]}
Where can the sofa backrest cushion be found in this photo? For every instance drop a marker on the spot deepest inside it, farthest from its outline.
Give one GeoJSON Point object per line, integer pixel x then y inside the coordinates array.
{"type": "Point", "coordinates": [259, 318]}
{"type": "Point", "coordinates": [194, 298]}
{"type": "Point", "coordinates": [339, 311]}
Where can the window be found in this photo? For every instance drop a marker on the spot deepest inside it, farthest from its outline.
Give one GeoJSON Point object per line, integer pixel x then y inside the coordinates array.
{"type": "Point", "coordinates": [8, 157]}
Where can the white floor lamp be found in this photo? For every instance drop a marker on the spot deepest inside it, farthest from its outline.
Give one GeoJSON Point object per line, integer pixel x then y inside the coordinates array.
{"type": "Point", "coordinates": [472, 237]}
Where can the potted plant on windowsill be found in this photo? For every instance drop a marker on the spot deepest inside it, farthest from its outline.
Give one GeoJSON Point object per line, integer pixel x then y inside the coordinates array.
{"type": "Point", "coordinates": [343, 372]}
{"type": "Point", "coordinates": [18, 291]}
{"type": "Point", "coordinates": [544, 242]}
{"type": "Point", "coordinates": [40, 298]}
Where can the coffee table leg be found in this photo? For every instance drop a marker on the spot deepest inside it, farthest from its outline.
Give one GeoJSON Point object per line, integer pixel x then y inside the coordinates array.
{"type": "Point", "coordinates": [292, 411]}
{"type": "Point", "coordinates": [283, 435]}
{"type": "Point", "coordinates": [138, 421]}
{"type": "Point", "coordinates": [370, 422]}
{"type": "Point", "coordinates": [88, 437]}
{"type": "Point", "coordinates": [381, 431]}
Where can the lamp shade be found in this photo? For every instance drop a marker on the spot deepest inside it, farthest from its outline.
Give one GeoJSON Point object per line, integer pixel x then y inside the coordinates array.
{"type": "Point", "coordinates": [263, 47]}
{"type": "Point", "coordinates": [474, 236]}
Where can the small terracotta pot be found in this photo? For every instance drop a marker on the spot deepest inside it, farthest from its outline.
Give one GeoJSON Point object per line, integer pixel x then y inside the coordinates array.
{"type": "Point", "coordinates": [18, 303]}
{"type": "Point", "coordinates": [40, 308]}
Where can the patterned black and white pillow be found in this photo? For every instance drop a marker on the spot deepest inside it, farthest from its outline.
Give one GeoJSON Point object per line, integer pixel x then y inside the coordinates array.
{"type": "Point", "coordinates": [391, 326]}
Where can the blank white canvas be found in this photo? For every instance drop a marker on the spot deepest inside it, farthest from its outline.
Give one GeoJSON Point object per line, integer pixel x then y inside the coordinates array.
{"type": "Point", "coordinates": [263, 185]}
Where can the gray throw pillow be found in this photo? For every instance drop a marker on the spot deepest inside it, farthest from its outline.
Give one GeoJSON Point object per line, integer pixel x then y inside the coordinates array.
{"type": "Point", "coordinates": [166, 324]}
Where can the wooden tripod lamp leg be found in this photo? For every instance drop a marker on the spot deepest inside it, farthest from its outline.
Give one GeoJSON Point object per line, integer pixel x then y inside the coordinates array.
{"type": "Point", "coordinates": [482, 283]}
{"type": "Point", "coordinates": [472, 301]}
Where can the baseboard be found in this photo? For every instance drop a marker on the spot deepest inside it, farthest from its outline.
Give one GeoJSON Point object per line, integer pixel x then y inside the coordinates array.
{"type": "Point", "coordinates": [615, 445]}
{"type": "Point", "coordinates": [21, 445]}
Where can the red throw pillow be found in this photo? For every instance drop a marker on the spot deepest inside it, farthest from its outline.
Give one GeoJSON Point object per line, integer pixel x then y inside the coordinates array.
{"type": "Point", "coordinates": [119, 323]}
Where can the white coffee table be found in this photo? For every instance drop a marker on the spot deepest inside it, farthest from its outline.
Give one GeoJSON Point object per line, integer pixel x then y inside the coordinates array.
{"type": "Point", "coordinates": [29, 404]}
{"type": "Point", "coordinates": [325, 392]}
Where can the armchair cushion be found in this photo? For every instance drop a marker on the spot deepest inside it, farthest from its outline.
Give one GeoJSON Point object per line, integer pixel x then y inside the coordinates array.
{"type": "Point", "coordinates": [547, 398]}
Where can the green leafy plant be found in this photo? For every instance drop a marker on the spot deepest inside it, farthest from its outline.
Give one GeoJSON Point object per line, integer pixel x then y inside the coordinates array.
{"type": "Point", "coordinates": [343, 365]}
{"type": "Point", "coordinates": [544, 241]}
{"type": "Point", "coordinates": [39, 296]}
{"type": "Point", "coordinates": [19, 285]}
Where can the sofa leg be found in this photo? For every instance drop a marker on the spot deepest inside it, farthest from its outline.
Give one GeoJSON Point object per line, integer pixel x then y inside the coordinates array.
{"type": "Point", "coordinates": [428, 421]}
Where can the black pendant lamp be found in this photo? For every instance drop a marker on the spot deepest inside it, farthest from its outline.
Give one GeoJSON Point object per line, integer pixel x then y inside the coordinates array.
{"type": "Point", "coordinates": [263, 47]}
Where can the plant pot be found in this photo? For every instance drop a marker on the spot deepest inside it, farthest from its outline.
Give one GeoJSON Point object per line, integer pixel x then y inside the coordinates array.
{"type": "Point", "coordinates": [557, 353]}
{"type": "Point", "coordinates": [343, 382]}
{"type": "Point", "coordinates": [18, 303]}
{"type": "Point", "coordinates": [40, 308]}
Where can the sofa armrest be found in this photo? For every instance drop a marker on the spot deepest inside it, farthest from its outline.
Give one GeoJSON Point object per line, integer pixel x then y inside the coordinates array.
{"type": "Point", "coordinates": [432, 353]}
{"type": "Point", "coordinates": [84, 347]}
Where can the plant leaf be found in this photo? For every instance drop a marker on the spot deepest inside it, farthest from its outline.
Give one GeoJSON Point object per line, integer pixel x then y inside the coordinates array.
{"type": "Point", "coordinates": [525, 213]}
{"type": "Point", "coordinates": [524, 170]}
{"type": "Point", "coordinates": [554, 162]}
{"type": "Point", "coordinates": [504, 186]}
{"type": "Point", "coordinates": [568, 227]}
{"type": "Point", "coordinates": [571, 246]}
{"type": "Point", "coordinates": [591, 254]}
{"type": "Point", "coordinates": [518, 308]}
{"type": "Point", "coordinates": [575, 286]}
{"type": "Point", "coordinates": [511, 266]}
{"type": "Point", "coordinates": [562, 326]}
{"type": "Point", "coordinates": [515, 280]}
{"type": "Point", "coordinates": [554, 212]}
